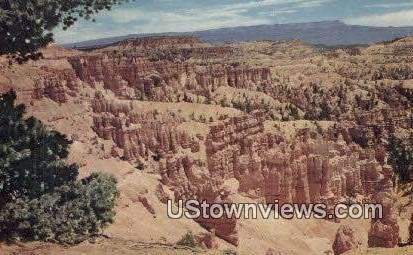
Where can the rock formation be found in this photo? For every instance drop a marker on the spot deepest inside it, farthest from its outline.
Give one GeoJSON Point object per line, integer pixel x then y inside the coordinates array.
{"type": "Point", "coordinates": [138, 74]}
{"type": "Point", "coordinates": [208, 240]}
{"type": "Point", "coordinates": [338, 155]}
{"type": "Point", "coordinates": [308, 170]}
{"type": "Point", "coordinates": [384, 231]}
{"type": "Point", "coordinates": [411, 230]}
{"type": "Point", "coordinates": [346, 239]}
{"type": "Point", "coordinates": [136, 133]}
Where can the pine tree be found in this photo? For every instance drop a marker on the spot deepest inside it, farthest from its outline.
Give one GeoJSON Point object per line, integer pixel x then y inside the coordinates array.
{"type": "Point", "coordinates": [400, 158]}
{"type": "Point", "coordinates": [40, 197]}
{"type": "Point", "coordinates": [26, 25]}
{"type": "Point", "coordinates": [30, 154]}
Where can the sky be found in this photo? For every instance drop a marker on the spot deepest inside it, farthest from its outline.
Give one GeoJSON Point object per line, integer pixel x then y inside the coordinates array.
{"type": "Point", "coordinates": [155, 16]}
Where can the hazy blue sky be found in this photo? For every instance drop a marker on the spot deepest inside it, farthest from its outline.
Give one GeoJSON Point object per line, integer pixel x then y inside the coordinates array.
{"type": "Point", "coordinates": [152, 16]}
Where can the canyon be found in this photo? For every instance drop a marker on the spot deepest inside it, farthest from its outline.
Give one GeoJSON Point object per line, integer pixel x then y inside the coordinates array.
{"type": "Point", "coordinates": [175, 118]}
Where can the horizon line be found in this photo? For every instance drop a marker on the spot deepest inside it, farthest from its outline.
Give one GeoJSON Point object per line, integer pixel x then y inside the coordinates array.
{"type": "Point", "coordinates": [165, 33]}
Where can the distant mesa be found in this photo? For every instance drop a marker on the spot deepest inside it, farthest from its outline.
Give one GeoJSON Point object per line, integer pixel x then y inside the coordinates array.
{"type": "Point", "coordinates": [329, 33]}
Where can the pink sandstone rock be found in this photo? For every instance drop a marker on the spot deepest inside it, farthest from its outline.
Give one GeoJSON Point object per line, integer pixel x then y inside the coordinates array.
{"type": "Point", "coordinates": [208, 240]}
{"type": "Point", "coordinates": [346, 239]}
{"type": "Point", "coordinates": [384, 232]}
{"type": "Point", "coordinates": [411, 230]}
{"type": "Point", "coordinates": [308, 169]}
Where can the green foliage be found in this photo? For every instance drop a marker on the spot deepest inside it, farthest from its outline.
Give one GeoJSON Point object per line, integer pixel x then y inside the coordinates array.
{"type": "Point", "coordinates": [244, 104]}
{"type": "Point", "coordinates": [223, 102]}
{"type": "Point", "coordinates": [188, 240]}
{"type": "Point", "coordinates": [30, 155]}
{"type": "Point", "coordinates": [293, 112]}
{"type": "Point", "coordinates": [400, 158]}
{"type": "Point", "coordinates": [140, 165]}
{"type": "Point", "coordinates": [326, 111]}
{"type": "Point", "coordinates": [187, 98]}
{"type": "Point", "coordinates": [192, 116]}
{"type": "Point", "coordinates": [26, 25]}
{"type": "Point", "coordinates": [362, 140]}
{"type": "Point", "coordinates": [70, 214]}
{"type": "Point", "coordinates": [273, 117]}
{"type": "Point", "coordinates": [157, 156]}
{"type": "Point", "coordinates": [229, 252]}
{"type": "Point", "coordinates": [202, 118]}
{"type": "Point", "coordinates": [40, 198]}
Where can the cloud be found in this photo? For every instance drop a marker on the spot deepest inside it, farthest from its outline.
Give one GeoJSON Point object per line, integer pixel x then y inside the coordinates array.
{"type": "Point", "coordinates": [300, 2]}
{"type": "Point", "coordinates": [138, 15]}
{"type": "Point", "coordinates": [389, 5]}
{"type": "Point", "coordinates": [130, 19]}
{"type": "Point", "coordinates": [397, 19]}
{"type": "Point", "coordinates": [187, 20]}
{"type": "Point", "coordinates": [312, 4]}
{"type": "Point", "coordinates": [83, 31]}
{"type": "Point", "coordinates": [218, 11]}
{"type": "Point", "coordinates": [274, 12]}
